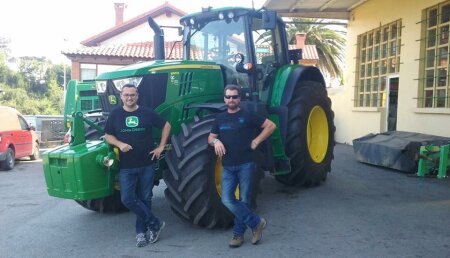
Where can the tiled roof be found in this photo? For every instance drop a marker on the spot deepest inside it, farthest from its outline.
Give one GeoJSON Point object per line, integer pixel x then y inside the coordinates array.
{"type": "Point", "coordinates": [142, 50]}
{"type": "Point", "coordinates": [308, 53]}
{"type": "Point", "coordinates": [165, 8]}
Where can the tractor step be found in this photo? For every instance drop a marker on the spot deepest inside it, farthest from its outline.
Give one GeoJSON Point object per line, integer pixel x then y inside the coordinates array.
{"type": "Point", "coordinates": [282, 167]}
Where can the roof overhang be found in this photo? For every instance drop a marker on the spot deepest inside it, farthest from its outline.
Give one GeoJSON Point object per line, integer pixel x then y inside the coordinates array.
{"type": "Point", "coordinates": [326, 9]}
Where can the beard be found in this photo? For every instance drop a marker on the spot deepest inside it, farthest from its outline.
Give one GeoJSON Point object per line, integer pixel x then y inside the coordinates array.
{"type": "Point", "coordinates": [232, 106]}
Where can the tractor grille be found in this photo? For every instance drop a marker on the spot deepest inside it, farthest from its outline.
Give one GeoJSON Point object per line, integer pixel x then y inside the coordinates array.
{"type": "Point", "coordinates": [185, 84]}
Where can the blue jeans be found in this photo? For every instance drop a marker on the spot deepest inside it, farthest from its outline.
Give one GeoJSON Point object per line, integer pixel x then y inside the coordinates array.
{"type": "Point", "coordinates": [243, 175]}
{"type": "Point", "coordinates": [136, 185]}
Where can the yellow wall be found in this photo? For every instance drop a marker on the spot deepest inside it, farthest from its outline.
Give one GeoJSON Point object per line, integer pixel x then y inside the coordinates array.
{"type": "Point", "coordinates": [354, 122]}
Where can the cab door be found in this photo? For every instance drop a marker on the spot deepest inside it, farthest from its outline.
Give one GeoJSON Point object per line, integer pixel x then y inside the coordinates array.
{"type": "Point", "coordinates": [23, 139]}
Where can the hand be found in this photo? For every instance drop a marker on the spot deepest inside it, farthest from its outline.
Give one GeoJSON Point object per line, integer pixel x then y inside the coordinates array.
{"type": "Point", "coordinates": [255, 143]}
{"type": "Point", "coordinates": [125, 147]}
{"type": "Point", "coordinates": [157, 152]}
{"type": "Point", "coordinates": [219, 149]}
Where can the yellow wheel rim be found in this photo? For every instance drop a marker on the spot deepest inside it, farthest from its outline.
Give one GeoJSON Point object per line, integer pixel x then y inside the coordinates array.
{"type": "Point", "coordinates": [218, 179]}
{"type": "Point", "coordinates": [317, 134]}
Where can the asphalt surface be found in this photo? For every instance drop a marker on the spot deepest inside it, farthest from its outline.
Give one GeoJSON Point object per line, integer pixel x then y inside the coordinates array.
{"type": "Point", "coordinates": [360, 211]}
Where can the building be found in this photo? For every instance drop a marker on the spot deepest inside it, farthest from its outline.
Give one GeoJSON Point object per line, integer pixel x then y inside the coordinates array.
{"type": "Point", "coordinates": [127, 42]}
{"type": "Point", "coordinates": [397, 69]}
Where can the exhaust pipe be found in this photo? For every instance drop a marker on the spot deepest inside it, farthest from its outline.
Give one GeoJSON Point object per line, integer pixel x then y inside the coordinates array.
{"type": "Point", "coordinates": [158, 39]}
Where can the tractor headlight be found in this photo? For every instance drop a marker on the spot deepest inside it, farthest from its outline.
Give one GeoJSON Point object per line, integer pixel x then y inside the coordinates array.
{"type": "Point", "coordinates": [100, 86]}
{"type": "Point", "coordinates": [221, 16]}
{"type": "Point", "coordinates": [119, 83]}
{"type": "Point", "coordinates": [230, 15]}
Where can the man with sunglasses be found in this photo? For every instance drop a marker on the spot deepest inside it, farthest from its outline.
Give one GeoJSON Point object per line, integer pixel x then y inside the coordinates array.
{"type": "Point", "coordinates": [234, 140]}
{"type": "Point", "coordinates": [130, 129]}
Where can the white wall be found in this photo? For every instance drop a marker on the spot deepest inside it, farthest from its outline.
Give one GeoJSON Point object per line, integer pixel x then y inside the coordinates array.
{"type": "Point", "coordinates": [144, 33]}
{"type": "Point", "coordinates": [354, 122]}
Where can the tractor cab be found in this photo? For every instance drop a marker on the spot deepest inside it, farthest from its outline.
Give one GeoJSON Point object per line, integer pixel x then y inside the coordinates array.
{"type": "Point", "coordinates": [249, 45]}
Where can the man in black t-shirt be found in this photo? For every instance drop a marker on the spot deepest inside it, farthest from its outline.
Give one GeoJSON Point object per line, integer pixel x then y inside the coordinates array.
{"type": "Point", "coordinates": [130, 129]}
{"type": "Point", "coordinates": [233, 139]}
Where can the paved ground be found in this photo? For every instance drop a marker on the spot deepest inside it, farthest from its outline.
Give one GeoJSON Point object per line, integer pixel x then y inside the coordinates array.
{"type": "Point", "coordinates": [360, 211]}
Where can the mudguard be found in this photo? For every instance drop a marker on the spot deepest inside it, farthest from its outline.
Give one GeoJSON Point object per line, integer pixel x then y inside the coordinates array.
{"type": "Point", "coordinates": [286, 80]}
{"type": "Point", "coordinates": [299, 73]}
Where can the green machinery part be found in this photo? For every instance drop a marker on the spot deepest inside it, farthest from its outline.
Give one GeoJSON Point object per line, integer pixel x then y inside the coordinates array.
{"type": "Point", "coordinates": [434, 159]}
{"type": "Point", "coordinates": [81, 170]}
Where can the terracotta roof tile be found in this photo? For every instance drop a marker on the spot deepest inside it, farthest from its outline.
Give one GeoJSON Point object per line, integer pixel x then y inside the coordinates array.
{"type": "Point", "coordinates": [308, 53]}
{"type": "Point", "coordinates": [142, 50]}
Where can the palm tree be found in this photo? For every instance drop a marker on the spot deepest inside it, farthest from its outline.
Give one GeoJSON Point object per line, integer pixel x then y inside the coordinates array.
{"type": "Point", "coordinates": [330, 43]}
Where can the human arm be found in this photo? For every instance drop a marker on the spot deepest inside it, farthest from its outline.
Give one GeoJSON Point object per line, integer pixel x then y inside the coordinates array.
{"type": "Point", "coordinates": [111, 139]}
{"type": "Point", "coordinates": [164, 138]}
{"type": "Point", "coordinates": [268, 128]}
{"type": "Point", "coordinates": [219, 148]}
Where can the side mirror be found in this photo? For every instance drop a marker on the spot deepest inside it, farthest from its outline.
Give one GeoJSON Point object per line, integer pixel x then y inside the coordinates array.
{"type": "Point", "coordinates": [32, 128]}
{"type": "Point", "coordinates": [269, 19]}
{"type": "Point", "coordinates": [295, 55]}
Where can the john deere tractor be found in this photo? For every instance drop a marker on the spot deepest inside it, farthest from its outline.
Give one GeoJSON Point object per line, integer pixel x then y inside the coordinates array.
{"type": "Point", "coordinates": [241, 46]}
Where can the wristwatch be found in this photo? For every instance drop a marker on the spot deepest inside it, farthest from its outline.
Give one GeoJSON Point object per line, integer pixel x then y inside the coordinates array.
{"type": "Point", "coordinates": [214, 141]}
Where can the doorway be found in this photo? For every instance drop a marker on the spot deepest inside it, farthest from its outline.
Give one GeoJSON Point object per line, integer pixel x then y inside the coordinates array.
{"type": "Point", "coordinates": [392, 104]}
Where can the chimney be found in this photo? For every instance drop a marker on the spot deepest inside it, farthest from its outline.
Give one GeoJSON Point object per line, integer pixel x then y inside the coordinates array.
{"type": "Point", "coordinates": [300, 38]}
{"type": "Point", "coordinates": [119, 7]}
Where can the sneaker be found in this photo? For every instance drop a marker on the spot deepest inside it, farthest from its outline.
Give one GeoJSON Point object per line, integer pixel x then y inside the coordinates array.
{"type": "Point", "coordinates": [257, 232]}
{"type": "Point", "coordinates": [236, 241]}
{"type": "Point", "coordinates": [141, 240]}
{"type": "Point", "coordinates": [154, 235]}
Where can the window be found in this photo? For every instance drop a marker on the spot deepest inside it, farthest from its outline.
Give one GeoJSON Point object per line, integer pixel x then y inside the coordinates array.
{"type": "Point", "coordinates": [88, 71]}
{"type": "Point", "coordinates": [379, 56]}
{"type": "Point", "coordinates": [219, 41]}
{"type": "Point", "coordinates": [23, 124]}
{"type": "Point", "coordinates": [434, 86]}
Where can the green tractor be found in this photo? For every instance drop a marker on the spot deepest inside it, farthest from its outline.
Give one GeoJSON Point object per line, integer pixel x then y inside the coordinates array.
{"type": "Point", "coordinates": [222, 46]}
{"type": "Point", "coordinates": [80, 96]}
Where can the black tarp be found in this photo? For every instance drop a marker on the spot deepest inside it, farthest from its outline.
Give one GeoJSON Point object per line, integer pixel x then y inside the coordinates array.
{"type": "Point", "coordinates": [395, 149]}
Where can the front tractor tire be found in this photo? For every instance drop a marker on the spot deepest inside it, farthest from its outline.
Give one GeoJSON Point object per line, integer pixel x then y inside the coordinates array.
{"type": "Point", "coordinates": [194, 177]}
{"type": "Point", "coordinates": [310, 135]}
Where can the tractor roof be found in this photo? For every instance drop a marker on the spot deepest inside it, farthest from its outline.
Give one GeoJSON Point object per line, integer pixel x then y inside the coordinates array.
{"type": "Point", "coordinates": [208, 14]}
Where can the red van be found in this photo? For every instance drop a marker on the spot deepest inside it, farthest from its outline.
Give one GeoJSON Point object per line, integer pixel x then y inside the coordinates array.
{"type": "Point", "coordinates": [17, 138]}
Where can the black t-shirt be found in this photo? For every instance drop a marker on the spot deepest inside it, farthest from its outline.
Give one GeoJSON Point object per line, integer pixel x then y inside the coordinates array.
{"type": "Point", "coordinates": [236, 131]}
{"type": "Point", "coordinates": [135, 129]}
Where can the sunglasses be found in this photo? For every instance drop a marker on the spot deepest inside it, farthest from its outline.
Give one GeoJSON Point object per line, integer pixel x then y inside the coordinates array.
{"type": "Point", "coordinates": [231, 96]}
{"type": "Point", "coordinates": [129, 95]}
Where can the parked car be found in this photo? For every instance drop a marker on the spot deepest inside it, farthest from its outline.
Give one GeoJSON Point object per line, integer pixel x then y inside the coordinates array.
{"type": "Point", "coordinates": [17, 138]}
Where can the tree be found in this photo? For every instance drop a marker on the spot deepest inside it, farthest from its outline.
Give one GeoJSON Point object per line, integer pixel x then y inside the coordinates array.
{"type": "Point", "coordinates": [34, 70]}
{"type": "Point", "coordinates": [57, 72]}
{"type": "Point", "coordinates": [330, 43]}
{"type": "Point", "coordinates": [34, 90]}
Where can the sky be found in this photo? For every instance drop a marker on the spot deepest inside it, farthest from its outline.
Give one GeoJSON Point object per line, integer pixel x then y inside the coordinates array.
{"type": "Point", "coordinates": [46, 27]}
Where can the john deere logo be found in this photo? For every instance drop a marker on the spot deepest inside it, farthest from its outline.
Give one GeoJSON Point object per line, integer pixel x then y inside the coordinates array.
{"type": "Point", "coordinates": [132, 121]}
{"type": "Point", "coordinates": [112, 99]}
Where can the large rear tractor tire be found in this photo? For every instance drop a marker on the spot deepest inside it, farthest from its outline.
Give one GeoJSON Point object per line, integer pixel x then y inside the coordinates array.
{"type": "Point", "coordinates": [194, 177]}
{"type": "Point", "coordinates": [107, 204]}
{"type": "Point", "coordinates": [310, 135]}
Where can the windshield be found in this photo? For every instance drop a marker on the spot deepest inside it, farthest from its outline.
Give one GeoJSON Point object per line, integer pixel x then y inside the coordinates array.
{"type": "Point", "coordinates": [217, 41]}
